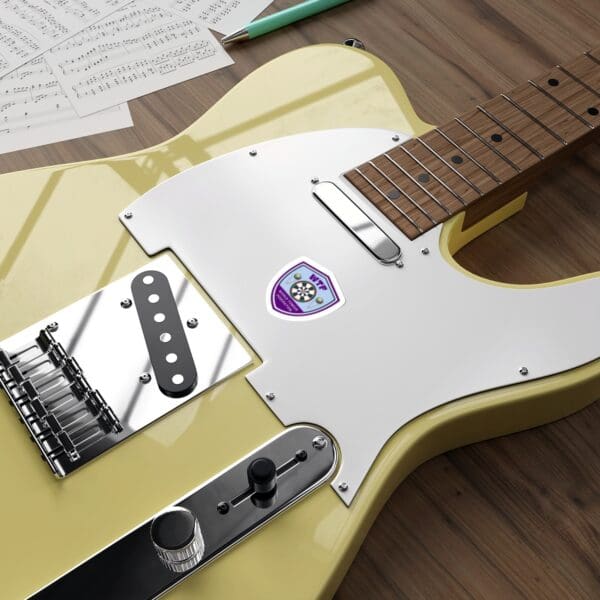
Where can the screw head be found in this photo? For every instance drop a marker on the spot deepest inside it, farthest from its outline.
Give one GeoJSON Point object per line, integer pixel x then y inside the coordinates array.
{"type": "Point", "coordinates": [425, 251]}
{"type": "Point", "coordinates": [270, 396]}
{"type": "Point", "coordinates": [396, 137]}
{"type": "Point", "coordinates": [52, 327]}
{"type": "Point", "coordinates": [126, 303]}
{"type": "Point", "coordinates": [314, 180]}
{"type": "Point", "coordinates": [399, 264]}
{"type": "Point", "coordinates": [192, 323]}
{"type": "Point", "coordinates": [343, 486]}
{"type": "Point", "coordinates": [128, 214]}
{"type": "Point", "coordinates": [145, 378]}
{"type": "Point", "coordinates": [301, 455]}
{"type": "Point", "coordinates": [222, 508]}
{"type": "Point", "coordinates": [524, 371]}
{"type": "Point", "coordinates": [253, 153]}
{"type": "Point", "coordinates": [319, 442]}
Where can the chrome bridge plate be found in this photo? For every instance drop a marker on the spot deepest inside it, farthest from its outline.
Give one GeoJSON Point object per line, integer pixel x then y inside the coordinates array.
{"type": "Point", "coordinates": [84, 378]}
{"type": "Point", "coordinates": [130, 568]}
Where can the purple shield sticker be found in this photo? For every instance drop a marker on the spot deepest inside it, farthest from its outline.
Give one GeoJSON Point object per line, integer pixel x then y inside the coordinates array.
{"type": "Point", "coordinates": [303, 290]}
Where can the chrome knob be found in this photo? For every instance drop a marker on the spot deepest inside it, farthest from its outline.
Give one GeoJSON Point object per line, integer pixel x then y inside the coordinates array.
{"type": "Point", "coordinates": [177, 539]}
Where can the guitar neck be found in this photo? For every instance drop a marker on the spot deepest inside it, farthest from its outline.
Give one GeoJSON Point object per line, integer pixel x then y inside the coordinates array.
{"type": "Point", "coordinates": [486, 157]}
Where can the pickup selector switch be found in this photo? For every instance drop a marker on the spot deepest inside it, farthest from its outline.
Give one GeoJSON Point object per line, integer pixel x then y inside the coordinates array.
{"type": "Point", "coordinates": [177, 539]}
{"type": "Point", "coordinates": [262, 477]}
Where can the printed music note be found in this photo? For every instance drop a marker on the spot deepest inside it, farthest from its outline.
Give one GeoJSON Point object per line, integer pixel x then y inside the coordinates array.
{"type": "Point", "coordinates": [34, 110]}
{"type": "Point", "coordinates": [140, 48]}
{"type": "Point", "coordinates": [28, 29]}
{"type": "Point", "coordinates": [224, 16]}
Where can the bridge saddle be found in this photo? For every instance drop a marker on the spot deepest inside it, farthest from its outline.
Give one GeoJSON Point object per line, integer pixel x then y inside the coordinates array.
{"type": "Point", "coordinates": [62, 411]}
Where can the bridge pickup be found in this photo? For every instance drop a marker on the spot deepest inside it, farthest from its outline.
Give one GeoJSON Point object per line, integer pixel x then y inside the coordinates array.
{"type": "Point", "coordinates": [358, 223]}
{"type": "Point", "coordinates": [173, 363]}
{"type": "Point", "coordinates": [95, 372]}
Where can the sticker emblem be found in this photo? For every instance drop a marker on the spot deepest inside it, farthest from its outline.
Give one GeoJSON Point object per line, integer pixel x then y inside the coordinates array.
{"type": "Point", "coordinates": [303, 290]}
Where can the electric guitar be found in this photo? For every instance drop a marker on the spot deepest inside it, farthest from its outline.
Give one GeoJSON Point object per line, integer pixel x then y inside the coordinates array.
{"type": "Point", "coordinates": [249, 335]}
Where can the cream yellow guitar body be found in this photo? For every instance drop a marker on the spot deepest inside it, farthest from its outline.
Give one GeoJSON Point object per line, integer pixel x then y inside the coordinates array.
{"type": "Point", "coordinates": [60, 240]}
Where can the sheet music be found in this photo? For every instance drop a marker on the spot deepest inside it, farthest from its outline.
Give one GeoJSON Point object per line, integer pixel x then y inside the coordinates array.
{"type": "Point", "coordinates": [224, 16]}
{"type": "Point", "coordinates": [30, 27]}
{"type": "Point", "coordinates": [34, 110]}
{"type": "Point", "coordinates": [141, 48]}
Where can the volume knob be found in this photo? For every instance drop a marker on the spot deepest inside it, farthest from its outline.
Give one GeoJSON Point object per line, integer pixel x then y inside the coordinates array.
{"type": "Point", "coordinates": [177, 539]}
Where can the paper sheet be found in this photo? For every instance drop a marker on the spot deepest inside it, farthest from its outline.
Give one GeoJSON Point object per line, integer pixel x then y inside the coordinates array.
{"type": "Point", "coordinates": [141, 48]}
{"type": "Point", "coordinates": [35, 111]}
{"type": "Point", "coordinates": [30, 27]}
{"type": "Point", "coordinates": [224, 16]}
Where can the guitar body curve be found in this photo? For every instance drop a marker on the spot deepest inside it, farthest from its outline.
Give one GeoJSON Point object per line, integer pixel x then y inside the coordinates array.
{"type": "Point", "coordinates": [69, 243]}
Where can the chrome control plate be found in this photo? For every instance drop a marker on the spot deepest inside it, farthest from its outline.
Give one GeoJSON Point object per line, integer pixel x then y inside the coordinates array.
{"type": "Point", "coordinates": [226, 511]}
{"type": "Point", "coordinates": [82, 379]}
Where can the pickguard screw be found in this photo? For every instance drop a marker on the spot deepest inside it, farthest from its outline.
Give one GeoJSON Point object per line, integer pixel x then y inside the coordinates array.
{"type": "Point", "coordinates": [524, 371]}
{"type": "Point", "coordinates": [425, 251]}
{"type": "Point", "coordinates": [145, 378]}
{"type": "Point", "coordinates": [128, 214]}
{"type": "Point", "coordinates": [319, 442]}
{"type": "Point", "coordinates": [53, 327]}
{"type": "Point", "coordinates": [270, 396]}
{"type": "Point", "coordinates": [399, 264]}
{"type": "Point", "coordinates": [301, 455]}
{"type": "Point", "coordinates": [126, 303]}
{"type": "Point", "coordinates": [222, 508]}
{"type": "Point", "coordinates": [192, 323]}
{"type": "Point", "coordinates": [253, 153]}
{"type": "Point", "coordinates": [343, 487]}
{"type": "Point", "coordinates": [314, 180]}
{"type": "Point", "coordinates": [395, 138]}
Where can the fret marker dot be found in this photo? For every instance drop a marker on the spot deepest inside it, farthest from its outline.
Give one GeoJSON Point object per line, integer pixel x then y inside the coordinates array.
{"type": "Point", "coordinates": [553, 82]}
{"type": "Point", "coordinates": [496, 137]}
{"type": "Point", "coordinates": [394, 195]}
{"type": "Point", "coordinates": [592, 110]}
{"type": "Point", "coordinates": [423, 177]}
{"type": "Point", "coordinates": [456, 159]}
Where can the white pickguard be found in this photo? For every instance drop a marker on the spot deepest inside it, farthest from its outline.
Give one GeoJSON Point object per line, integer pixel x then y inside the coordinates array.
{"type": "Point", "coordinates": [405, 341]}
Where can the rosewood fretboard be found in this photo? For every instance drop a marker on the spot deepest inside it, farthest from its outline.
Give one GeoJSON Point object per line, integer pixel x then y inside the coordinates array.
{"type": "Point", "coordinates": [483, 159]}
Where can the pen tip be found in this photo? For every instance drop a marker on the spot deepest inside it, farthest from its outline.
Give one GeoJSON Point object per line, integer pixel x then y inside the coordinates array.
{"type": "Point", "coordinates": [236, 36]}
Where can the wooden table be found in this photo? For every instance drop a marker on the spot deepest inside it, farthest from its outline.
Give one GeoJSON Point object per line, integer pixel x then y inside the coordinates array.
{"type": "Point", "coordinates": [513, 517]}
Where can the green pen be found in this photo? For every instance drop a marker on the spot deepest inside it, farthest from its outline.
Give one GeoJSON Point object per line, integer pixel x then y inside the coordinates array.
{"type": "Point", "coordinates": [281, 19]}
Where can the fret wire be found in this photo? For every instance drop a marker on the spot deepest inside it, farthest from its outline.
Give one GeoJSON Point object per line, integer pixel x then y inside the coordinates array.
{"type": "Point", "coordinates": [405, 215]}
{"type": "Point", "coordinates": [483, 141]}
{"type": "Point", "coordinates": [407, 196]}
{"type": "Point", "coordinates": [511, 132]}
{"type": "Point", "coordinates": [559, 103]}
{"type": "Point", "coordinates": [433, 175]}
{"type": "Point", "coordinates": [535, 119]}
{"type": "Point", "coordinates": [469, 156]}
{"type": "Point", "coordinates": [469, 183]}
{"type": "Point", "coordinates": [579, 81]}
{"type": "Point", "coordinates": [418, 184]}
{"type": "Point", "coordinates": [591, 57]}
